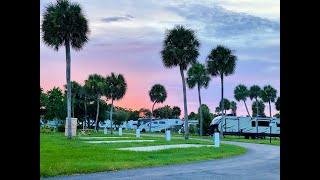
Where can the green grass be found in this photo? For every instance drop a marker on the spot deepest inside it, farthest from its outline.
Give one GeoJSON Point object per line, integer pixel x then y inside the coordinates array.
{"type": "Point", "coordinates": [59, 156]}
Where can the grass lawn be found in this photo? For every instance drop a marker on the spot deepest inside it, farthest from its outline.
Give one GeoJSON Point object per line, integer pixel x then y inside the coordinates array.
{"type": "Point", "coordinates": [59, 156]}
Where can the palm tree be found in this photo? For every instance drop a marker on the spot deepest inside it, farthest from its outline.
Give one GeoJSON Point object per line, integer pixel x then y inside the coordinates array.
{"type": "Point", "coordinates": [75, 92]}
{"type": "Point", "coordinates": [181, 48]}
{"type": "Point", "coordinates": [240, 94]}
{"type": "Point", "coordinates": [198, 76]}
{"type": "Point", "coordinates": [233, 107]}
{"type": "Point", "coordinates": [65, 25]}
{"type": "Point", "coordinates": [278, 104]}
{"type": "Point", "coordinates": [221, 62]}
{"type": "Point", "coordinates": [116, 88]}
{"type": "Point", "coordinates": [225, 104]}
{"type": "Point", "coordinates": [158, 94]}
{"type": "Point", "coordinates": [255, 93]}
{"type": "Point", "coordinates": [268, 94]}
{"type": "Point", "coordinates": [95, 85]}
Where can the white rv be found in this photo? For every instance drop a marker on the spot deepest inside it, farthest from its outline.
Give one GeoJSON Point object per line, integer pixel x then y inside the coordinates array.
{"type": "Point", "coordinates": [246, 126]}
{"type": "Point", "coordinates": [159, 125]}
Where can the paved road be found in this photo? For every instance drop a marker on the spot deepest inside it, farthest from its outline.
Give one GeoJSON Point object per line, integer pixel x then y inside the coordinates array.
{"type": "Point", "coordinates": [261, 162]}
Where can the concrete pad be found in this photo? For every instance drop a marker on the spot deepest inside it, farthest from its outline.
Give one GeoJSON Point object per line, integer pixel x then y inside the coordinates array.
{"type": "Point", "coordinates": [161, 147]}
{"type": "Point", "coordinates": [119, 141]}
{"type": "Point", "coordinates": [102, 137]}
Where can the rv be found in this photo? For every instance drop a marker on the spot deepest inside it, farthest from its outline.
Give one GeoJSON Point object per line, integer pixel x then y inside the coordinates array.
{"type": "Point", "coordinates": [160, 125]}
{"type": "Point", "coordinates": [246, 126]}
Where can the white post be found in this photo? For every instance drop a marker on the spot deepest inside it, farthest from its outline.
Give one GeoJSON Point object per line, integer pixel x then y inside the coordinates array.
{"type": "Point", "coordinates": [73, 127]}
{"type": "Point", "coordinates": [216, 139]}
{"type": "Point", "coordinates": [120, 131]}
{"type": "Point", "coordinates": [137, 133]}
{"type": "Point", "coordinates": [105, 130]}
{"type": "Point", "coordinates": [168, 135]}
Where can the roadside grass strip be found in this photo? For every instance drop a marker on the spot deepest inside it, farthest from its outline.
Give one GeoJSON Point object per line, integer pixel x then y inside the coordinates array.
{"type": "Point", "coordinates": [162, 147]}
{"type": "Point", "coordinates": [119, 141]}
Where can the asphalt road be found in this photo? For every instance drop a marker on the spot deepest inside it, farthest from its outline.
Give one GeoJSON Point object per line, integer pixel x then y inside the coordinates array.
{"type": "Point", "coordinates": [261, 162]}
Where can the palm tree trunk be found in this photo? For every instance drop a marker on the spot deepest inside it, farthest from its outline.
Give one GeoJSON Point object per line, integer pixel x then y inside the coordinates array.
{"type": "Point", "coordinates": [111, 110]}
{"type": "Point", "coordinates": [68, 62]}
{"type": "Point", "coordinates": [97, 115]}
{"type": "Point", "coordinates": [85, 110]}
{"type": "Point", "coordinates": [200, 109]}
{"type": "Point", "coordinates": [222, 104]}
{"type": "Point", "coordinates": [186, 128]}
{"type": "Point", "coordinates": [270, 108]}
{"type": "Point", "coordinates": [245, 104]}
{"type": "Point", "coordinates": [257, 107]}
{"type": "Point", "coordinates": [152, 115]}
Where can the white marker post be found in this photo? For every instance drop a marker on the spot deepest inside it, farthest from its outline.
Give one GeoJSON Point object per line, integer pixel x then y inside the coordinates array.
{"type": "Point", "coordinates": [168, 135]}
{"type": "Point", "coordinates": [120, 131]}
{"type": "Point", "coordinates": [105, 130]}
{"type": "Point", "coordinates": [216, 139]}
{"type": "Point", "coordinates": [137, 133]}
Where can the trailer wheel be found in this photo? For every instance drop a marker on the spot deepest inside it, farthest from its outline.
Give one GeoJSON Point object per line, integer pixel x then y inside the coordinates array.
{"type": "Point", "coordinates": [246, 137]}
{"type": "Point", "coordinates": [143, 130]}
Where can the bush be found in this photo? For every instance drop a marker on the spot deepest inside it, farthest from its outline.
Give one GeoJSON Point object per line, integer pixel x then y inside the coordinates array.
{"type": "Point", "coordinates": [61, 128]}
{"type": "Point", "coordinates": [193, 129]}
{"type": "Point", "coordinates": [46, 130]}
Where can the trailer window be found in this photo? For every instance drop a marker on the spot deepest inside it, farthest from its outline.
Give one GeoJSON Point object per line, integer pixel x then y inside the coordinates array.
{"type": "Point", "coordinates": [176, 122]}
{"type": "Point", "coordinates": [154, 122]}
{"type": "Point", "coordinates": [253, 124]}
{"type": "Point", "coordinates": [263, 123]}
{"type": "Point", "coordinates": [162, 122]}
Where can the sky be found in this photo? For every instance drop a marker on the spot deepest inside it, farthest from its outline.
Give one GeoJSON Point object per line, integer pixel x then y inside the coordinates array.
{"type": "Point", "coordinates": [126, 37]}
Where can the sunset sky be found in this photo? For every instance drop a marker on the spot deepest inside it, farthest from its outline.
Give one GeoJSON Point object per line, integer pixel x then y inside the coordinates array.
{"type": "Point", "coordinates": [126, 37]}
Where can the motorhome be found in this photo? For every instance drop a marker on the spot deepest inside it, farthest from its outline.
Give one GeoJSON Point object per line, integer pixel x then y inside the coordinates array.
{"type": "Point", "coordinates": [246, 126]}
{"type": "Point", "coordinates": [159, 125]}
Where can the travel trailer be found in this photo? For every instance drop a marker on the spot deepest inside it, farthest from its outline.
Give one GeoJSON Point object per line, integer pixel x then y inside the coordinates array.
{"type": "Point", "coordinates": [159, 125]}
{"type": "Point", "coordinates": [246, 126]}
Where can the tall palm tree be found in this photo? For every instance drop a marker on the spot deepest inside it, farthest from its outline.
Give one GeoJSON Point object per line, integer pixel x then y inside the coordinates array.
{"type": "Point", "coordinates": [221, 62]}
{"type": "Point", "coordinates": [255, 93]}
{"type": "Point", "coordinates": [225, 104]}
{"type": "Point", "coordinates": [198, 76]}
{"type": "Point", "coordinates": [116, 88]}
{"type": "Point", "coordinates": [176, 111]}
{"type": "Point", "coordinates": [277, 104]}
{"type": "Point", "coordinates": [65, 25]}
{"type": "Point", "coordinates": [95, 84]}
{"type": "Point", "coordinates": [233, 107]}
{"type": "Point", "coordinates": [268, 94]}
{"type": "Point", "coordinates": [181, 48]}
{"type": "Point", "coordinates": [75, 92]}
{"type": "Point", "coordinates": [240, 94]}
{"type": "Point", "coordinates": [157, 94]}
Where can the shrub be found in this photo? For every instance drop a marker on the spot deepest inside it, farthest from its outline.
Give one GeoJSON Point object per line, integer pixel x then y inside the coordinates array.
{"type": "Point", "coordinates": [61, 128]}
{"type": "Point", "coordinates": [46, 130]}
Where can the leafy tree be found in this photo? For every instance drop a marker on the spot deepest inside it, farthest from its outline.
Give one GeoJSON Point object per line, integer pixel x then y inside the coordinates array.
{"type": "Point", "coordinates": [181, 48]}
{"type": "Point", "coordinates": [43, 102]}
{"type": "Point", "coordinates": [176, 111]}
{"type": "Point", "coordinates": [241, 93]}
{"type": "Point", "coordinates": [75, 93]}
{"type": "Point", "coordinates": [221, 62]}
{"type": "Point", "coordinates": [55, 104]}
{"type": "Point", "coordinates": [95, 85]}
{"type": "Point", "coordinates": [115, 89]}
{"type": "Point", "coordinates": [278, 104]}
{"type": "Point", "coordinates": [133, 115]}
{"type": "Point", "coordinates": [157, 94]}
{"type": "Point", "coordinates": [65, 25]}
{"type": "Point", "coordinates": [193, 116]}
{"type": "Point", "coordinates": [268, 94]}
{"type": "Point", "coordinates": [260, 108]}
{"type": "Point", "coordinates": [120, 117]}
{"type": "Point", "coordinates": [143, 113]}
{"type": "Point", "coordinates": [255, 93]}
{"type": "Point", "coordinates": [207, 118]}
{"type": "Point", "coordinates": [198, 76]}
